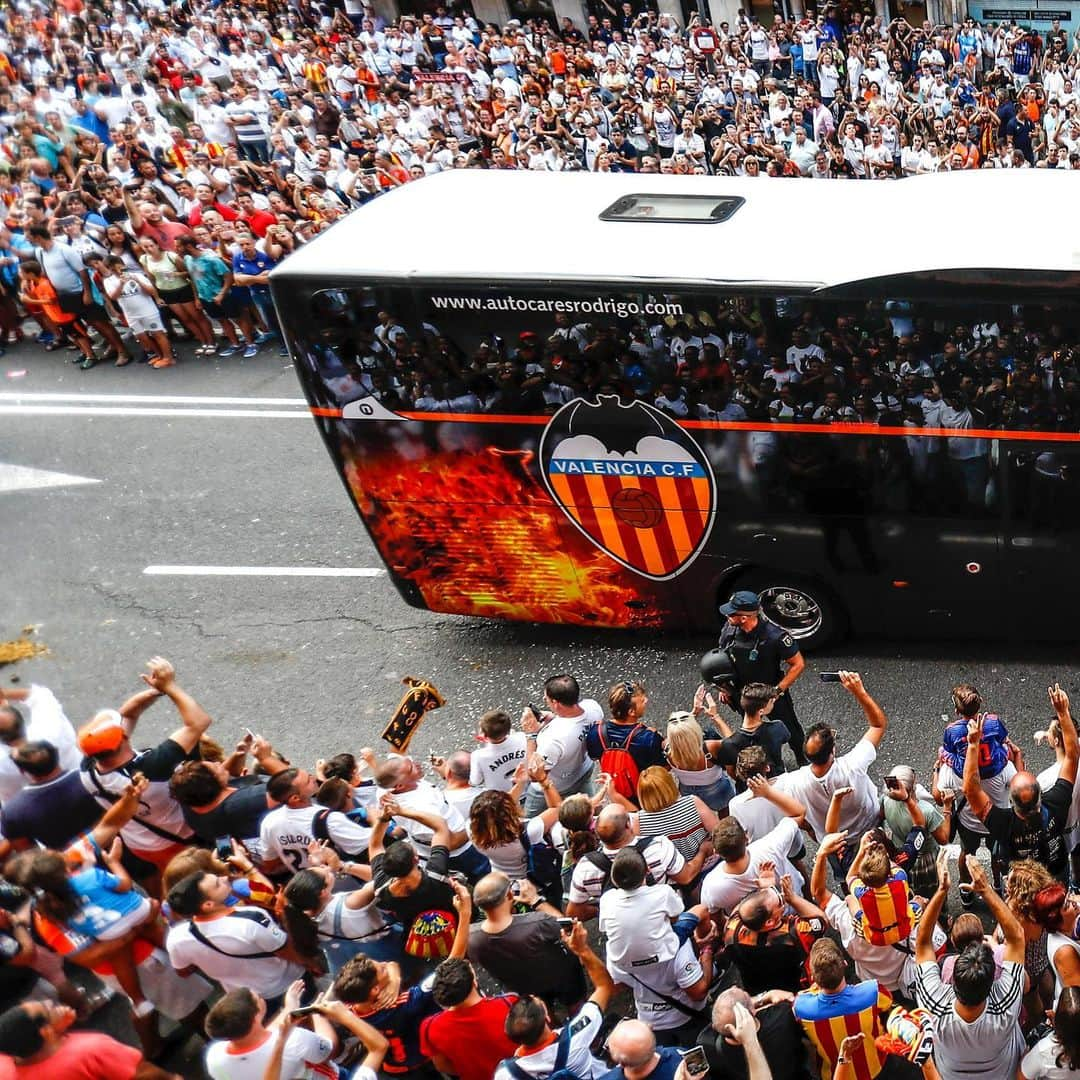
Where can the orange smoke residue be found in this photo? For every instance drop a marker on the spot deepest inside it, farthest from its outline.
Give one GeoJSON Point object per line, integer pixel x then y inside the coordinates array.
{"type": "Point", "coordinates": [478, 535]}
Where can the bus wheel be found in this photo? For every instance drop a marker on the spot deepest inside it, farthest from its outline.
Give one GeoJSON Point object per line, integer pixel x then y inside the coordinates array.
{"type": "Point", "coordinates": [802, 607]}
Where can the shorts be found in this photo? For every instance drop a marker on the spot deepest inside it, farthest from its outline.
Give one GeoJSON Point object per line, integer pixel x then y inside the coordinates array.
{"type": "Point", "coordinates": [72, 304]}
{"type": "Point", "coordinates": [184, 295]}
{"type": "Point", "coordinates": [146, 324]}
{"type": "Point", "coordinates": [229, 308]}
{"type": "Point", "coordinates": [969, 839]}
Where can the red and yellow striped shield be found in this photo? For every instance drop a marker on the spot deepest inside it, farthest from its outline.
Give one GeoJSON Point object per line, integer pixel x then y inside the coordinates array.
{"type": "Point", "coordinates": [633, 481]}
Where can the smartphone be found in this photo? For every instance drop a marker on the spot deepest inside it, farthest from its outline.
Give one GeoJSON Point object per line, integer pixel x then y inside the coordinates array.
{"type": "Point", "coordinates": [306, 1010]}
{"type": "Point", "coordinates": [534, 710]}
{"type": "Point", "coordinates": [565, 925]}
{"type": "Point", "coordinates": [966, 887]}
{"type": "Point", "coordinates": [829, 676]}
{"type": "Point", "coordinates": [697, 1064]}
{"type": "Point", "coordinates": [250, 734]}
{"type": "Point", "coordinates": [223, 848]}
{"type": "Point", "coordinates": [892, 782]}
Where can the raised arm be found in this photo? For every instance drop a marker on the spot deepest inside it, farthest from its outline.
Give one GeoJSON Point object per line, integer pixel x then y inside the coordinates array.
{"type": "Point", "coordinates": [875, 716]}
{"type": "Point", "coordinates": [791, 807]}
{"type": "Point", "coordinates": [924, 939]}
{"type": "Point", "coordinates": [1060, 700]}
{"type": "Point", "coordinates": [441, 834]}
{"type": "Point", "coordinates": [819, 878]}
{"type": "Point", "coordinates": [162, 678]}
{"type": "Point", "coordinates": [1011, 928]}
{"type": "Point", "coordinates": [977, 799]}
{"type": "Point", "coordinates": [577, 942]}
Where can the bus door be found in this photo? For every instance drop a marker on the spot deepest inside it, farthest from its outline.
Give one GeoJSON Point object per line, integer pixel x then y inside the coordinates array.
{"type": "Point", "coordinates": [1042, 531]}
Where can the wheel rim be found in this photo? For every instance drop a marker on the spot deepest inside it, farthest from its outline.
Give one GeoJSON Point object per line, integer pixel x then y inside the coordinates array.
{"type": "Point", "coordinates": [793, 609]}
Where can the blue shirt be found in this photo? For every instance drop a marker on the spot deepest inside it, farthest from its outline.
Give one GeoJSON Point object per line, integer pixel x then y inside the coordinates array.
{"type": "Point", "coordinates": [666, 1067]}
{"type": "Point", "coordinates": [259, 264]}
{"type": "Point", "coordinates": [102, 905]}
{"type": "Point", "coordinates": [208, 272]}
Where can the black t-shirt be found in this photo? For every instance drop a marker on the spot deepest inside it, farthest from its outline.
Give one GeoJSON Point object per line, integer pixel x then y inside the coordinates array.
{"type": "Point", "coordinates": [1041, 838]}
{"type": "Point", "coordinates": [780, 1037]}
{"type": "Point", "coordinates": [528, 957]}
{"type": "Point", "coordinates": [238, 816]}
{"type": "Point", "coordinates": [433, 893]}
{"type": "Point", "coordinates": [770, 735]}
{"type": "Point", "coordinates": [51, 814]}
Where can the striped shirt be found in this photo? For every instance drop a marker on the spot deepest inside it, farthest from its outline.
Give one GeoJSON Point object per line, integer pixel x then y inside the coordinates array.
{"type": "Point", "coordinates": [988, 1047]}
{"type": "Point", "coordinates": [828, 1019]}
{"type": "Point", "coordinates": [680, 823]}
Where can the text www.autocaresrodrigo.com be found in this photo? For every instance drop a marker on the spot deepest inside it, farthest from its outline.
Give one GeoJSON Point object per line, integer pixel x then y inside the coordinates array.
{"type": "Point", "coordinates": [621, 309]}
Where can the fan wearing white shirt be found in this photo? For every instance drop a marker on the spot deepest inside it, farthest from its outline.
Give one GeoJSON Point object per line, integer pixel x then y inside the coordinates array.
{"type": "Point", "coordinates": [559, 738]}
{"type": "Point", "coordinates": [813, 785]}
{"type": "Point", "coordinates": [245, 1045]}
{"type": "Point", "coordinates": [495, 761]}
{"type": "Point", "coordinates": [46, 721]}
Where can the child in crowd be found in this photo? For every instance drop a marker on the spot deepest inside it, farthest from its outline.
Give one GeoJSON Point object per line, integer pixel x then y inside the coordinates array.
{"type": "Point", "coordinates": [135, 295]}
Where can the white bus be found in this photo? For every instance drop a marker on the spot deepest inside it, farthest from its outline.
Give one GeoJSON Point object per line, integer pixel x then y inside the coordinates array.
{"type": "Point", "coordinates": [610, 400]}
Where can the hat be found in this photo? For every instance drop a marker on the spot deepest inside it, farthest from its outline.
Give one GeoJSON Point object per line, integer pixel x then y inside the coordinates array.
{"type": "Point", "coordinates": [741, 601]}
{"type": "Point", "coordinates": [104, 733]}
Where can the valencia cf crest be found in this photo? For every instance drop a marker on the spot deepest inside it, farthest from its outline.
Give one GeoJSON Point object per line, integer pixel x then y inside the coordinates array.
{"type": "Point", "coordinates": [633, 481]}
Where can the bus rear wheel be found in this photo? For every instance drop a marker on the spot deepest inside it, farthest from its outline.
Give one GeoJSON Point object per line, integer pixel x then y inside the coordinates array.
{"type": "Point", "coordinates": [803, 607]}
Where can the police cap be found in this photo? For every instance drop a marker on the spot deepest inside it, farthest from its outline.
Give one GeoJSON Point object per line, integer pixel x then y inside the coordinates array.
{"type": "Point", "coordinates": [743, 600]}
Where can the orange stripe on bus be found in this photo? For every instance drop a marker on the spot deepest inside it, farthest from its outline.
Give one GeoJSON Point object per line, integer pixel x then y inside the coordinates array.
{"type": "Point", "coordinates": [609, 527]}
{"type": "Point", "coordinates": [566, 495]}
{"type": "Point", "coordinates": [676, 519]}
{"type": "Point", "coordinates": [650, 550]}
{"type": "Point", "coordinates": [778, 428]}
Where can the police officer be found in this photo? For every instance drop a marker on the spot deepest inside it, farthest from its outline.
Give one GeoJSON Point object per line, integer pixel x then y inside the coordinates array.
{"type": "Point", "coordinates": [763, 653]}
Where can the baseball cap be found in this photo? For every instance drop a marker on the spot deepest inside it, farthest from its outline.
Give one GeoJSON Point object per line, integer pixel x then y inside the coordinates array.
{"type": "Point", "coordinates": [103, 734]}
{"type": "Point", "coordinates": [741, 601]}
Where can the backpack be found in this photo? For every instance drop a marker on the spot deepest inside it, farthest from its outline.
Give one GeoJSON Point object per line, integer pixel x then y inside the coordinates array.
{"type": "Point", "coordinates": [603, 862]}
{"type": "Point", "coordinates": [543, 866]}
{"type": "Point", "coordinates": [320, 830]}
{"type": "Point", "coordinates": [619, 764]}
{"type": "Point", "coordinates": [558, 1072]}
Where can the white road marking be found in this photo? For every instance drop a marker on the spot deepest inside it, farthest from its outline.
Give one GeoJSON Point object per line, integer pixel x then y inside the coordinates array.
{"type": "Point", "coordinates": [264, 571]}
{"type": "Point", "coordinates": [103, 410]}
{"type": "Point", "coordinates": [152, 399]}
{"type": "Point", "coordinates": [23, 478]}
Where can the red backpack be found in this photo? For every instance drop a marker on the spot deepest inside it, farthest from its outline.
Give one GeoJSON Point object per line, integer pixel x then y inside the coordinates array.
{"type": "Point", "coordinates": [618, 763]}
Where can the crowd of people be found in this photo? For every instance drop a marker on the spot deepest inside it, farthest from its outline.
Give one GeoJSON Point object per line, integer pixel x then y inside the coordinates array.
{"type": "Point", "coordinates": [158, 162]}
{"type": "Point", "coordinates": [371, 913]}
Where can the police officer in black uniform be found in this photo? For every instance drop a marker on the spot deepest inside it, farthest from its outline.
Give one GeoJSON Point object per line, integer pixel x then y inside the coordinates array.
{"type": "Point", "coordinates": [762, 652]}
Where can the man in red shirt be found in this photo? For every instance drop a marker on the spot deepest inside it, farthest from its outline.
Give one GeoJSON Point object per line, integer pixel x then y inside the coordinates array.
{"type": "Point", "coordinates": [35, 1044]}
{"type": "Point", "coordinates": [147, 220]}
{"type": "Point", "coordinates": [207, 200]}
{"type": "Point", "coordinates": [257, 220]}
{"type": "Point", "coordinates": [469, 1039]}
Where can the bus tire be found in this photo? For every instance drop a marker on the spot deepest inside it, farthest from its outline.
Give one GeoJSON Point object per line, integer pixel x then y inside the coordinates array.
{"type": "Point", "coordinates": [805, 607]}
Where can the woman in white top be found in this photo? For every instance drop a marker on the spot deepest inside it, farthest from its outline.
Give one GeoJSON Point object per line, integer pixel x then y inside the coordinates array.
{"type": "Point", "coordinates": [1057, 1056]}
{"type": "Point", "coordinates": [338, 925]}
{"type": "Point", "coordinates": [1058, 912]}
{"type": "Point", "coordinates": [692, 764]}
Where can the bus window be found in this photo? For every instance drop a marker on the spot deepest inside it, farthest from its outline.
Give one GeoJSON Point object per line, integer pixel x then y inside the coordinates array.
{"type": "Point", "coordinates": [1042, 526]}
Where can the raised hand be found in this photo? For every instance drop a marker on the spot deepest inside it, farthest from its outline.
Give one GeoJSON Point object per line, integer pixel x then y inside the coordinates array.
{"type": "Point", "coordinates": [161, 674]}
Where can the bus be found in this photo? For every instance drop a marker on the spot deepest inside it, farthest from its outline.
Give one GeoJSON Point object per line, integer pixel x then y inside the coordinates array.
{"type": "Point", "coordinates": [612, 400]}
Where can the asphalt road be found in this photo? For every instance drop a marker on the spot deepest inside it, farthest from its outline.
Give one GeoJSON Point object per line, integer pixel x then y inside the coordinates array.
{"type": "Point", "coordinates": [315, 663]}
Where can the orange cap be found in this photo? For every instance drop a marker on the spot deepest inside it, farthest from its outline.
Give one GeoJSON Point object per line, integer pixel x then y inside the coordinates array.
{"type": "Point", "coordinates": [103, 734]}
